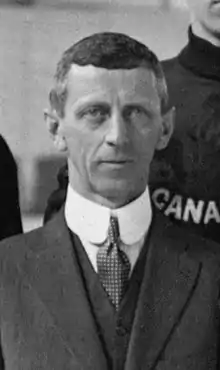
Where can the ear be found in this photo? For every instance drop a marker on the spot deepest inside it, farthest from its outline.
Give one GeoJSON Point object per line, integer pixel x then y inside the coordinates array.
{"type": "Point", "coordinates": [54, 122]}
{"type": "Point", "coordinates": [167, 128]}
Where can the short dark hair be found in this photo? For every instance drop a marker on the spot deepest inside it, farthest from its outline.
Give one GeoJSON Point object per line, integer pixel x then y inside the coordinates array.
{"type": "Point", "coordinates": [107, 50]}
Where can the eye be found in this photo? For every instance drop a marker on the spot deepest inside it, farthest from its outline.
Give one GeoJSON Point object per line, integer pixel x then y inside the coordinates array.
{"type": "Point", "coordinates": [132, 113]}
{"type": "Point", "coordinates": [96, 113]}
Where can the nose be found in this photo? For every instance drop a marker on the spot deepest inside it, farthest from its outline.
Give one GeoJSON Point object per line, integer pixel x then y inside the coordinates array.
{"type": "Point", "coordinates": [118, 130]}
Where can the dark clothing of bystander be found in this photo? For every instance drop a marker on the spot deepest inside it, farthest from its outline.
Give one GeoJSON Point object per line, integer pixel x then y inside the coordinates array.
{"type": "Point", "coordinates": [185, 177]}
{"type": "Point", "coordinates": [10, 217]}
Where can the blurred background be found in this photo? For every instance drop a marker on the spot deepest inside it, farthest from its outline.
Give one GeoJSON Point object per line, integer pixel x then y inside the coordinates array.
{"type": "Point", "coordinates": [33, 34]}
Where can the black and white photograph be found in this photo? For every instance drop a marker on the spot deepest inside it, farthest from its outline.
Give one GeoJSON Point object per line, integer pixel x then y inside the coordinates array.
{"type": "Point", "coordinates": [110, 185]}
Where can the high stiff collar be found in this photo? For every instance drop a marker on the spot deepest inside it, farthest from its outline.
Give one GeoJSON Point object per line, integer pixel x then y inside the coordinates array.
{"type": "Point", "coordinates": [202, 57]}
{"type": "Point", "coordinates": [90, 221]}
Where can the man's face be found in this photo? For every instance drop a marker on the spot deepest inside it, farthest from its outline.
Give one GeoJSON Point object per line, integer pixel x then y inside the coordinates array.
{"type": "Point", "coordinates": [207, 13]}
{"type": "Point", "coordinates": [112, 126]}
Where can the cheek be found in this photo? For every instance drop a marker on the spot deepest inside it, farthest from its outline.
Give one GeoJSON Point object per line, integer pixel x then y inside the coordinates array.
{"type": "Point", "coordinates": [82, 147]}
{"type": "Point", "coordinates": [202, 12]}
{"type": "Point", "coordinates": [145, 142]}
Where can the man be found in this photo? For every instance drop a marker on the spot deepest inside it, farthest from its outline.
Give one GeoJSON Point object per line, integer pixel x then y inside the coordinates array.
{"type": "Point", "coordinates": [185, 176]}
{"type": "Point", "coordinates": [10, 217]}
{"type": "Point", "coordinates": [107, 284]}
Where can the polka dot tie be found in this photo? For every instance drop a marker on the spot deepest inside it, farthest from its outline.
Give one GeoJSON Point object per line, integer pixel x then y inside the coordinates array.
{"type": "Point", "coordinates": [113, 265]}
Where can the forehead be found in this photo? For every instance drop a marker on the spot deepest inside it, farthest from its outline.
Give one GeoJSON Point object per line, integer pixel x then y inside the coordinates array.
{"type": "Point", "coordinates": [90, 81]}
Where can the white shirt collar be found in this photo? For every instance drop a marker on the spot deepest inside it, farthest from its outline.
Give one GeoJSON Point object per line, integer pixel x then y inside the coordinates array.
{"type": "Point", "coordinates": [90, 221]}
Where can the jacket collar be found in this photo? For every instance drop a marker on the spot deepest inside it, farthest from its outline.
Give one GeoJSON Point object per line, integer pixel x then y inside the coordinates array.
{"type": "Point", "coordinates": [52, 270]}
{"type": "Point", "coordinates": [200, 56]}
{"type": "Point", "coordinates": [170, 280]}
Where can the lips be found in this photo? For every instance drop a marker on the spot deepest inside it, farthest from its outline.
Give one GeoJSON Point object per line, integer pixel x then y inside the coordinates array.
{"type": "Point", "coordinates": [115, 164]}
{"type": "Point", "coordinates": [116, 161]}
{"type": "Point", "coordinates": [121, 161]}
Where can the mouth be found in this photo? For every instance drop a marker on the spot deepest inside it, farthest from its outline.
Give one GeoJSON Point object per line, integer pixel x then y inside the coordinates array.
{"type": "Point", "coordinates": [116, 162]}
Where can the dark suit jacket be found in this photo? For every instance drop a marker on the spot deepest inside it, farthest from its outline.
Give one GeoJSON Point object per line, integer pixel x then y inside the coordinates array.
{"type": "Point", "coordinates": [45, 318]}
{"type": "Point", "coordinates": [10, 217]}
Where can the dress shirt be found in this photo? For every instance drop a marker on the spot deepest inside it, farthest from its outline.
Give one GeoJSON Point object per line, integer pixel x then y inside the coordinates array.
{"type": "Point", "coordinates": [90, 222]}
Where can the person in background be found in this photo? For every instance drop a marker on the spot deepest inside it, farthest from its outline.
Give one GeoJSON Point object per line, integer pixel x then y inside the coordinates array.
{"type": "Point", "coordinates": [10, 216]}
{"type": "Point", "coordinates": [58, 196]}
{"type": "Point", "coordinates": [185, 177]}
{"type": "Point", "coordinates": [109, 283]}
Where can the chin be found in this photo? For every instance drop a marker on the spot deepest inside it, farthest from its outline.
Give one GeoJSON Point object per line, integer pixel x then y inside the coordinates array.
{"type": "Point", "coordinates": [119, 192]}
{"type": "Point", "coordinates": [112, 187]}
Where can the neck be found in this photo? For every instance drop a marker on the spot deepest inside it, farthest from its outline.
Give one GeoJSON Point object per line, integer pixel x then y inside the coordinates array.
{"type": "Point", "coordinates": [204, 33]}
{"type": "Point", "coordinates": [109, 198]}
{"type": "Point", "coordinates": [201, 57]}
{"type": "Point", "coordinates": [111, 201]}
{"type": "Point", "coordinates": [108, 202]}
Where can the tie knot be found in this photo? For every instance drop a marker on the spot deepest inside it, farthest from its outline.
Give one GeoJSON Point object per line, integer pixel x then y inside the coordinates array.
{"type": "Point", "coordinates": [113, 231]}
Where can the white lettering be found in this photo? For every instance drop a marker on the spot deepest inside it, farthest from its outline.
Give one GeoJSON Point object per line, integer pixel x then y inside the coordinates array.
{"type": "Point", "coordinates": [212, 213]}
{"type": "Point", "coordinates": [175, 207]}
{"type": "Point", "coordinates": [194, 210]}
{"type": "Point", "coordinates": [160, 197]}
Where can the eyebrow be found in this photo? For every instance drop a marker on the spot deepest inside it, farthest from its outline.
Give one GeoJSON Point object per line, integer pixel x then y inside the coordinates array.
{"type": "Point", "coordinates": [141, 101]}
{"type": "Point", "coordinates": [83, 105]}
{"type": "Point", "coordinates": [96, 101]}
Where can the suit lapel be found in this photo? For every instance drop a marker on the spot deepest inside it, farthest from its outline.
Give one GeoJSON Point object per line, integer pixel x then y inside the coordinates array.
{"type": "Point", "coordinates": [168, 285]}
{"type": "Point", "coordinates": [54, 274]}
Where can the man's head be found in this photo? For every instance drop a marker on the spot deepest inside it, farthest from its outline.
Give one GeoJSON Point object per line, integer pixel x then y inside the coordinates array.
{"type": "Point", "coordinates": [206, 18]}
{"type": "Point", "coordinates": [108, 112]}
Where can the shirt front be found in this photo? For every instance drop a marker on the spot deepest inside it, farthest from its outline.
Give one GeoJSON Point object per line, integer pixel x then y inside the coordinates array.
{"type": "Point", "coordinates": [90, 222]}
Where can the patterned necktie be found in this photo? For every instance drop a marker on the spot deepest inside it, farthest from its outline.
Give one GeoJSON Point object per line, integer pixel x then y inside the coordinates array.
{"type": "Point", "coordinates": [113, 265]}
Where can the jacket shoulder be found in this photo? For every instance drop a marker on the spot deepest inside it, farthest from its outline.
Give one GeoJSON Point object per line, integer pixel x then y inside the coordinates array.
{"type": "Point", "coordinates": [17, 248]}
{"type": "Point", "coordinates": [168, 64]}
{"type": "Point", "coordinates": [194, 245]}
{"type": "Point", "coordinates": [174, 72]}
